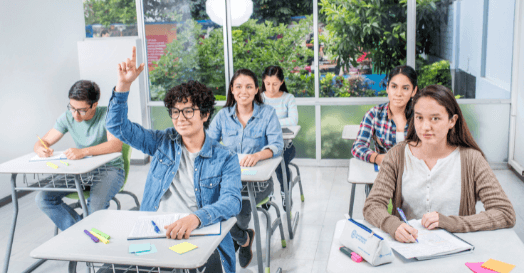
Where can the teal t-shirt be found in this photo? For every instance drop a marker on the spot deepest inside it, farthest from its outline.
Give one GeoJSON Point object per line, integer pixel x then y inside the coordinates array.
{"type": "Point", "coordinates": [87, 133]}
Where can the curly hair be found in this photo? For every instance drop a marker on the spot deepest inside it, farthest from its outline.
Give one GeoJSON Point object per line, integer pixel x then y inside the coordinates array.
{"type": "Point", "coordinates": [84, 90]}
{"type": "Point", "coordinates": [201, 96]}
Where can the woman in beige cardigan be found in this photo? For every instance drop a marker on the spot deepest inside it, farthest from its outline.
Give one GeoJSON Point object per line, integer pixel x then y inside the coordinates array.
{"type": "Point", "coordinates": [444, 174]}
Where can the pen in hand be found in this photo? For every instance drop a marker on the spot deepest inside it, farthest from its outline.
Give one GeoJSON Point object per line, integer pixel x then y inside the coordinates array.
{"type": "Point", "coordinates": [404, 219]}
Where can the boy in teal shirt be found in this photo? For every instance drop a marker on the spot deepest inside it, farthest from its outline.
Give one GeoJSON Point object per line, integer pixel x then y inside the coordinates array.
{"type": "Point", "coordinates": [86, 124]}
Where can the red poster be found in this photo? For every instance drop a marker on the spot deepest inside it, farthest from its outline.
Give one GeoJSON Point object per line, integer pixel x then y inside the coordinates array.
{"type": "Point", "coordinates": [156, 44]}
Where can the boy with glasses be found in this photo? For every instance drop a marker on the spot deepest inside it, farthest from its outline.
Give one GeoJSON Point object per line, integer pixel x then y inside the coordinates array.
{"type": "Point", "coordinates": [86, 124]}
{"type": "Point", "coordinates": [190, 172]}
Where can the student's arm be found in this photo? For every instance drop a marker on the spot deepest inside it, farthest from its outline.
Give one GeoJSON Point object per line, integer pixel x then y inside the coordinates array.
{"type": "Point", "coordinates": [360, 148]}
{"type": "Point", "coordinates": [112, 145]}
{"type": "Point", "coordinates": [215, 128]}
{"type": "Point", "coordinates": [292, 113]}
{"type": "Point", "coordinates": [230, 200]}
{"type": "Point", "coordinates": [499, 212]}
{"type": "Point", "coordinates": [275, 144]}
{"type": "Point", "coordinates": [117, 122]}
{"type": "Point", "coordinates": [376, 205]}
{"type": "Point", "coordinates": [50, 138]}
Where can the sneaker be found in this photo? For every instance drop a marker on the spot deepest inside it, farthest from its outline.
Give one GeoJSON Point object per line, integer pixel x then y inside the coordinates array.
{"type": "Point", "coordinates": [245, 254]}
{"type": "Point", "coordinates": [235, 244]}
{"type": "Point", "coordinates": [283, 194]}
{"type": "Point", "coordinates": [266, 206]}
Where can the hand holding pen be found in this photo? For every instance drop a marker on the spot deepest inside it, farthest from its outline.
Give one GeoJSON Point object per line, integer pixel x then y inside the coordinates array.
{"type": "Point", "coordinates": [405, 233]}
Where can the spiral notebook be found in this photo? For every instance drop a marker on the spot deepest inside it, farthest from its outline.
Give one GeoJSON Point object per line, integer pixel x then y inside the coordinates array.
{"type": "Point", "coordinates": [144, 229]}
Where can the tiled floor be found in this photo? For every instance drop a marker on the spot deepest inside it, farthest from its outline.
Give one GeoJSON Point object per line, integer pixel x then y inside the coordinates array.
{"type": "Point", "coordinates": [326, 200]}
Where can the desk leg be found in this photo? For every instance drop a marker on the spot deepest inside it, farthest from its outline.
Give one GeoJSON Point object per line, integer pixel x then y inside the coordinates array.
{"type": "Point", "coordinates": [81, 194]}
{"type": "Point", "coordinates": [254, 211]}
{"type": "Point", "coordinates": [13, 225]}
{"type": "Point", "coordinates": [291, 225]}
{"type": "Point", "coordinates": [352, 200]}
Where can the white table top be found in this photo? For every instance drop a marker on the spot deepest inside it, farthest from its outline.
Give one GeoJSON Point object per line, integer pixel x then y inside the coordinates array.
{"type": "Point", "coordinates": [85, 165]}
{"type": "Point", "coordinates": [74, 245]}
{"type": "Point", "coordinates": [295, 130]}
{"type": "Point", "coordinates": [503, 245]}
{"type": "Point", "coordinates": [264, 168]}
{"type": "Point", "coordinates": [361, 172]}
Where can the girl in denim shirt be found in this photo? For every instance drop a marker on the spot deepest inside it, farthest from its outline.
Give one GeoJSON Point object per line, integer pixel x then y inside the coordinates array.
{"type": "Point", "coordinates": [247, 126]}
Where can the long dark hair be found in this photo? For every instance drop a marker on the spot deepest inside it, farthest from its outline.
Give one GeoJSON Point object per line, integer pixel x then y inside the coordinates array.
{"type": "Point", "coordinates": [459, 135]}
{"type": "Point", "coordinates": [246, 72]}
{"type": "Point", "coordinates": [411, 74]}
{"type": "Point", "coordinates": [274, 70]}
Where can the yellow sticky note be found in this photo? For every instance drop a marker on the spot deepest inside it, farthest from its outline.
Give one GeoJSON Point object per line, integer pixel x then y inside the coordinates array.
{"type": "Point", "coordinates": [498, 266]}
{"type": "Point", "coordinates": [183, 247]}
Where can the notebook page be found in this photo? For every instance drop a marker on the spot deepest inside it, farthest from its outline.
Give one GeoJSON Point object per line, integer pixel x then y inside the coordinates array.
{"type": "Point", "coordinates": [143, 228]}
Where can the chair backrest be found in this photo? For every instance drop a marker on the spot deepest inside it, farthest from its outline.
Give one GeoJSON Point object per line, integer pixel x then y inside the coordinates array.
{"type": "Point", "coordinates": [126, 155]}
{"type": "Point", "coordinates": [350, 131]}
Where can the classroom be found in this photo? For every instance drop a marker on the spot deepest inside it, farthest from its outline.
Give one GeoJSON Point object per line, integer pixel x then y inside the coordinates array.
{"type": "Point", "coordinates": [311, 113]}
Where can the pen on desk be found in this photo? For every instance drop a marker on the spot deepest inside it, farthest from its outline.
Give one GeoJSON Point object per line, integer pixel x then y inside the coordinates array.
{"type": "Point", "coordinates": [404, 219]}
{"type": "Point", "coordinates": [157, 230]}
{"type": "Point", "coordinates": [42, 142]}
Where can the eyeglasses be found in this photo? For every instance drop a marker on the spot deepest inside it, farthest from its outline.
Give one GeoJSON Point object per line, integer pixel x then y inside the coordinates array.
{"type": "Point", "coordinates": [188, 112]}
{"type": "Point", "coordinates": [82, 111]}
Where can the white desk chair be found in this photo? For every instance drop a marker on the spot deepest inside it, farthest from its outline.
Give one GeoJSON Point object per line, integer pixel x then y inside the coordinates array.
{"type": "Point", "coordinates": [360, 172]}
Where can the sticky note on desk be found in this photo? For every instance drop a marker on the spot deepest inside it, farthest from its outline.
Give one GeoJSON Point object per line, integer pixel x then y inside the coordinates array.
{"type": "Point", "coordinates": [498, 266]}
{"type": "Point", "coordinates": [138, 248]}
{"type": "Point", "coordinates": [477, 268]}
{"type": "Point", "coordinates": [249, 172]}
{"type": "Point", "coordinates": [183, 247]}
{"type": "Point", "coordinates": [153, 250]}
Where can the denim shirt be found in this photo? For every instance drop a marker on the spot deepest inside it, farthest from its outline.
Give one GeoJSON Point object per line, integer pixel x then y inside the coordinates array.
{"type": "Point", "coordinates": [216, 178]}
{"type": "Point", "coordinates": [262, 130]}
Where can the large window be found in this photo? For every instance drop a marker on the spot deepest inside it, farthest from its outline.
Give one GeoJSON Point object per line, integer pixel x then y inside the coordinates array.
{"type": "Point", "coordinates": [110, 18]}
{"type": "Point", "coordinates": [276, 33]}
{"type": "Point", "coordinates": [182, 44]}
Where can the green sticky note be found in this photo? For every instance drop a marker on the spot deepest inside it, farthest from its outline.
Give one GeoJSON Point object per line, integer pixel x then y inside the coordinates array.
{"type": "Point", "coordinates": [100, 233]}
{"type": "Point", "coordinates": [137, 248]}
{"type": "Point", "coordinates": [153, 250]}
{"type": "Point", "coordinates": [249, 172]}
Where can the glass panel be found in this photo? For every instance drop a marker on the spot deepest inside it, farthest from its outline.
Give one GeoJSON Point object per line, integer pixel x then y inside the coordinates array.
{"type": "Point", "coordinates": [466, 46]}
{"type": "Point", "coordinates": [110, 18]}
{"type": "Point", "coordinates": [183, 44]}
{"type": "Point", "coordinates": [304, 142]}
{"type": "Point", "coordinates": [275, 33]}
{"type": "Point", "coordinates": [333, 120]}
{"type": "Point", "coordinates": [360, 42]}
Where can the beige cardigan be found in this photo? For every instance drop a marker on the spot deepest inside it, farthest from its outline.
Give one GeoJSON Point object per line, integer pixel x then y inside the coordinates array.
{"type": "Point", "coordinates": [478, 182]}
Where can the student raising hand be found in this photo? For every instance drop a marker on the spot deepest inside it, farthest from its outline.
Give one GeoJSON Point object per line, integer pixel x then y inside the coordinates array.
{"type": "Point", "coordinates": [127, 73]}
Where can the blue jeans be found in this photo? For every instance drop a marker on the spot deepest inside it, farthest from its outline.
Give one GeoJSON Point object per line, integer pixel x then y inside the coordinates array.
{"type": "Point", "coordinates": [289, 154]}
{"type": "Point", "coordinates": [106, 184]}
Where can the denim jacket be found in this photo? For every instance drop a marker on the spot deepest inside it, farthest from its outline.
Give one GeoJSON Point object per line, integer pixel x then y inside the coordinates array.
{"type": "Point", "coordinates": [262, 130]}
{"type": "Point", "coordinates": [216, 177]}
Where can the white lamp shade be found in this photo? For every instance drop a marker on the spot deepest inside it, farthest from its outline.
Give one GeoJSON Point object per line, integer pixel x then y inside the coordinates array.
{"type": "Point", "coordinates": [241, 10]}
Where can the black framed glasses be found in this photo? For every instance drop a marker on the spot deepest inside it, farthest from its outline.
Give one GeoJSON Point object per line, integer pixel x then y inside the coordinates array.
{"type": "Point", "coordinates": [82, 111]}
{"type": "Point", "coordinates": [188, 112]}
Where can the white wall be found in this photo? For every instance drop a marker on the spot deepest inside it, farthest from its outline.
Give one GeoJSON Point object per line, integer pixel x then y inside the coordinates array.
{"type": "Point", "coordinates": [98, 60]}
{"type": "Point", "coordinates": [39, 63]}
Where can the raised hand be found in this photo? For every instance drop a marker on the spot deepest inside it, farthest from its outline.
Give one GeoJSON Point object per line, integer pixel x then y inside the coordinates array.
{"type": "Point", "coordinates": [128, 72]}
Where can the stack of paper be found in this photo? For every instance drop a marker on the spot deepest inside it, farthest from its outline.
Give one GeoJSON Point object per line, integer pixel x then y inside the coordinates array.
{"type": "Point", "coordinates": [142, 249]}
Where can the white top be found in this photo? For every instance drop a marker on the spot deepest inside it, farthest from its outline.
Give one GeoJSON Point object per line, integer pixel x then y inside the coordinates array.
{"type": "Point", "coordinates": [400, 136]}
{"type": "Point", "coordinates": [286, 108]}
{"type": "Point", "coordinates": [180, 196]}
{"type": "Point", "coordinates": [426, 191]}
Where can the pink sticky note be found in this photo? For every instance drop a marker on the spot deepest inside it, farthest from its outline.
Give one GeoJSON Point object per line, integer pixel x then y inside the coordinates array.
{"type": "Point", "coordinates": [477, 268]}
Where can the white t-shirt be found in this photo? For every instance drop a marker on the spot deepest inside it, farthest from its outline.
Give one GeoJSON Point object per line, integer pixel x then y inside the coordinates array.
{"type": "Point", "coordinates": [426, 191]}
{"type": "Point", "coordinates": [180, 197]}
{"type": "Point", "coordinates": [400, 136]}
